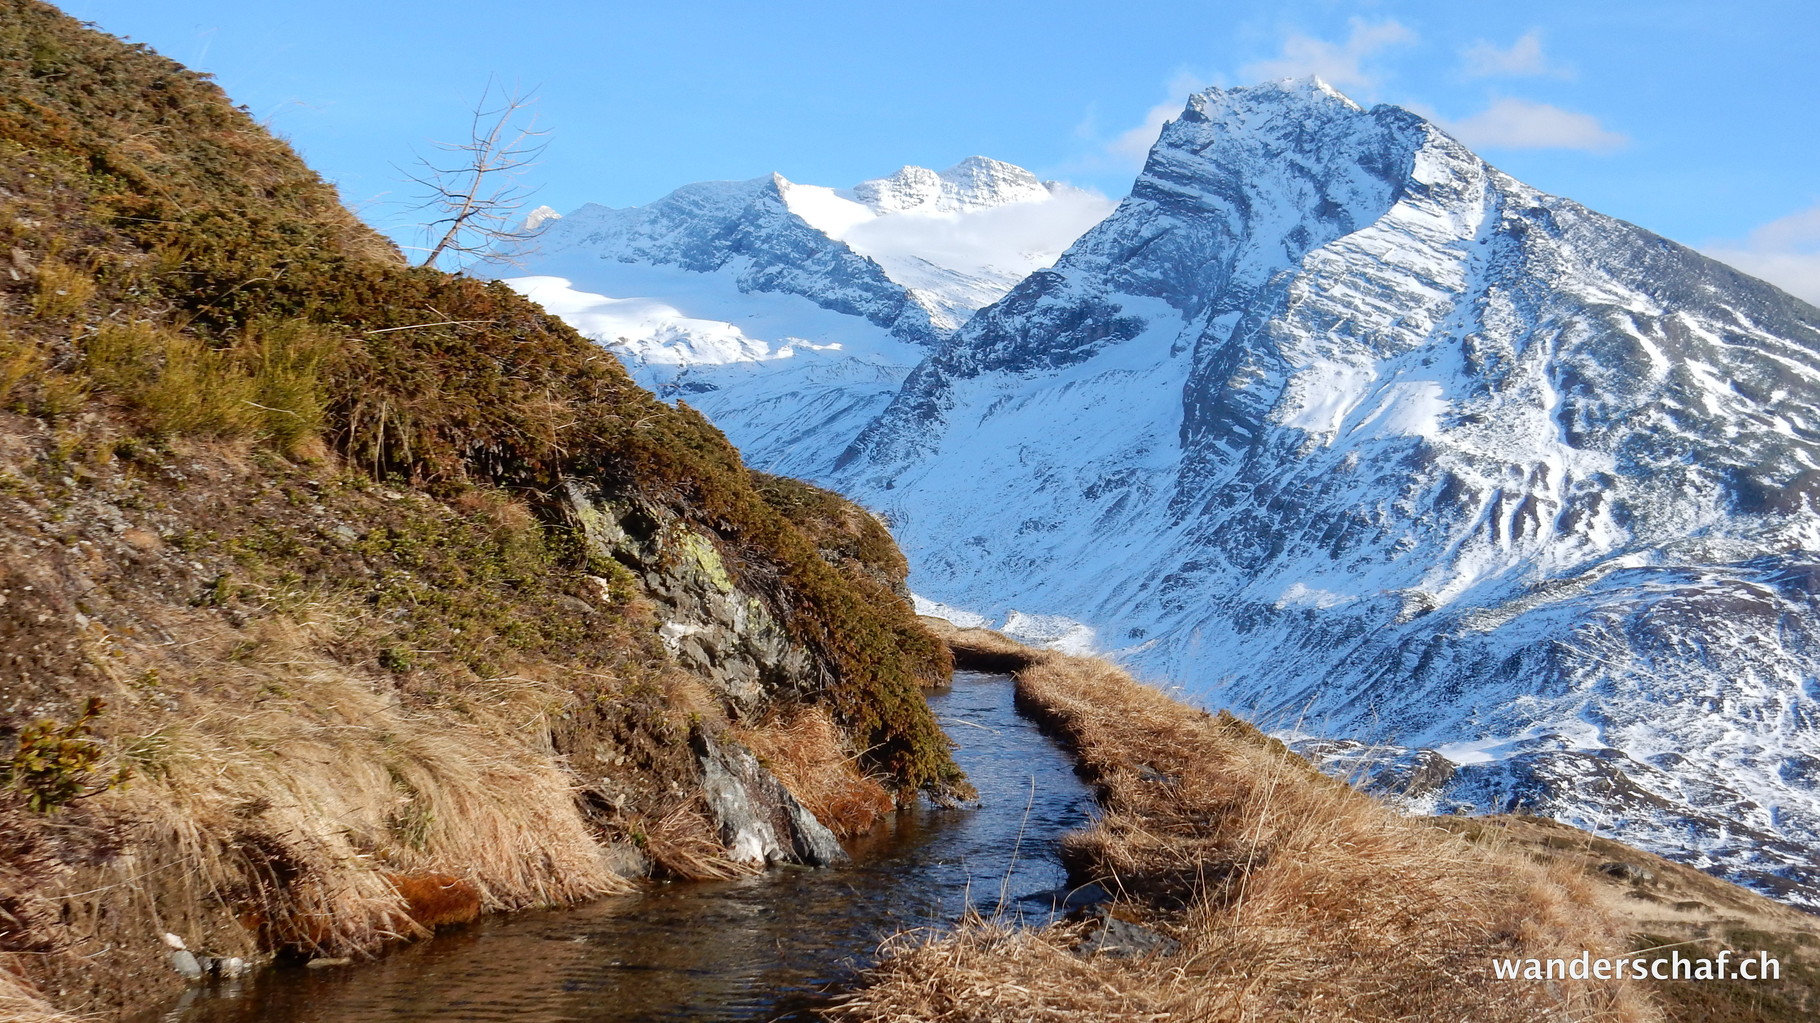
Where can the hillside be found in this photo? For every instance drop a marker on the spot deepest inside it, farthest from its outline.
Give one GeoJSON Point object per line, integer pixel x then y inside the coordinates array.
{"type": "Point", "coordinates": [341, 599]}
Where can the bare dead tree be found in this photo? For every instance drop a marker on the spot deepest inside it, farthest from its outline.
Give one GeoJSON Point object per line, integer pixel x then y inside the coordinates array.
{"type": "Point", "coordinates": [475, 187]}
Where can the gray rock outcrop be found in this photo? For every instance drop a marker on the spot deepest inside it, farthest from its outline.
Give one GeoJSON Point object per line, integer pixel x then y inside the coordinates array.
{"type": "Point", "coordinates": [759, 820]}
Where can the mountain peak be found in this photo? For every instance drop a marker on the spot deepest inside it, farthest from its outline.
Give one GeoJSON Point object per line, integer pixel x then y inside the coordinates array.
{"type": "Point", "coordinates": [976, 183]}
{"type": "Point", "coordinates": [1254, 106]}
{"type": "Point", "coordinates": [538, 217]}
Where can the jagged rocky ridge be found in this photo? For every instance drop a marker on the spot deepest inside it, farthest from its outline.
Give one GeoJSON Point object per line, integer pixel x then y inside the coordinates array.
{"type": "Point", "coordinates": [747, 229]}
{"type": "Point", "coordinates": [1338, 425]}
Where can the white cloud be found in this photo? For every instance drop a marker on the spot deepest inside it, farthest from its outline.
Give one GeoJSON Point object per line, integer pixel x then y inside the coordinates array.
{"type": "Point", "coordinates": [1524, 124]}
{"type": "Point", "coordinates": [1784, 252]}
{"type": "Point", "coordinates": [1128, 148]}
{"type": "Point", "coordinates": [1343, 64]}
{"type": "Point", "coordinates": [1797, 230]}
{"type": "Point", "coordinates": [1133, 144]}
{"type": "Point", "coordinates": [1523, 57]}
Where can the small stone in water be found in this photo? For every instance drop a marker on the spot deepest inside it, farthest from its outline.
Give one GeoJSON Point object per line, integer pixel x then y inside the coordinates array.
{"type": "Point", "coordinates": [186, 964]}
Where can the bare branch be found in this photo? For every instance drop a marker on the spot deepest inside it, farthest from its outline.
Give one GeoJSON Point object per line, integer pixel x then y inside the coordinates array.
{"type": "Point", "coordinates": [478, 196]}
{"type": "Point", "coordinates": [420, 326]}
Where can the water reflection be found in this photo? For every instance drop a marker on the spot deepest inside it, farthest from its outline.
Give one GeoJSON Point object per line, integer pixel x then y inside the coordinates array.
{"type": "Point", "coordinates": [755, 948]}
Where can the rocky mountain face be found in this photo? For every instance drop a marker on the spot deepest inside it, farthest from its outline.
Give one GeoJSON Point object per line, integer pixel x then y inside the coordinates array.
{"type": "Point", "coordinates": [1335, 423]}
{"type": "Point", "coordinates": [746, 230]}
{"type": "Point", "coordinates": [1492, 499]}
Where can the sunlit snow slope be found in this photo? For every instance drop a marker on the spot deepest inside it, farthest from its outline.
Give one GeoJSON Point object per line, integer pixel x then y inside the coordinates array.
{"type": "Point", "coordinates": [1334, 423]}
{"type": "Point", "coordinates": [791, 313]}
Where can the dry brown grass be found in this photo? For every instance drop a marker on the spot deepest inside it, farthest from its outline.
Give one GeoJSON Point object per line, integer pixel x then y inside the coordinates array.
{"type": "Point", "coordinates": [1294, 896]}
{"type": "Point", "coordinates": [982, 649]}
{"type": "Point", "coordinates": [19, 1003]}
{"type": "Point", "coordinates": [990, 971]}
{"type": "Point", "coordinates": [806, 751]}
{"type": "Point", "coordinates": [1674, 905]}
{"type": "Point", "coordinates": [684, 844]}
{"type": "Point", "coordinates": [292, 805]}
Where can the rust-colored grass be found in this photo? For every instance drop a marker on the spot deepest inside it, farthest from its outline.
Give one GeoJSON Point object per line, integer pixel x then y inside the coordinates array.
{"type": "Point", "coordinates": [433, 900]}
{"type": "Point", "coordinates": [807, 752]}
{"type": "Point", "coordinates": [1294, 896]}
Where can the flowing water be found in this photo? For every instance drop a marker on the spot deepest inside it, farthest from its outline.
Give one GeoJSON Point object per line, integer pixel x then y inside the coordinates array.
{"type": "Point", "coordinates": [759, 948]}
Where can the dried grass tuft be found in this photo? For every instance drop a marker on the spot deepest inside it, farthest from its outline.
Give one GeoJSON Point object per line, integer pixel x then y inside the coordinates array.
{"type": "Point", "coordinates": [684, 844]}
{"type": "Point", "coordinates": [19, 1003]}
{"type": "Point", "coordinates": [296, 806]}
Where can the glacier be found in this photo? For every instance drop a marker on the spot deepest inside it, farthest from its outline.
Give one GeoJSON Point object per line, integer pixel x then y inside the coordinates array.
{"type": "Point", "coordinates": [1479, 496]}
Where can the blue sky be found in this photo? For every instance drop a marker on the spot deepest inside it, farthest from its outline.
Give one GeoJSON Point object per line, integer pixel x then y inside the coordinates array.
{"type": "Point", "coordinates": [1696, 120]}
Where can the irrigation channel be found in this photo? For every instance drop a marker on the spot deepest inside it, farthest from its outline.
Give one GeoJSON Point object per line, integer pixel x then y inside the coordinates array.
{"type": "Point", "coordinates": [760, 948]}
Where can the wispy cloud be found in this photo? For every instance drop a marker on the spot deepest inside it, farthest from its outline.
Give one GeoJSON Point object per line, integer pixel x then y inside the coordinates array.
{"type": "Point", "coordinates": [1347, 64]}
{"type": "Point", "coordinates": [1524, 124]}
{"type": "Point", "coordinates": [1522, 58]}
{"type": "Point", "coordinates": [1131, 146]}
{"type": "Point", "coordinates": [1784, 252]}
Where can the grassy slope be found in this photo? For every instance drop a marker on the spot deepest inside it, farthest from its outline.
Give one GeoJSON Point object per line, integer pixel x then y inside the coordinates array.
{"type": "Point", "coordinates": [181, 265]}
{"type": "Point", "coordinates": [285, 504]}
{"type": "Point", "coordinates": [1671, 906]}
{"type": "Point", "coordinates": [1297, 898]}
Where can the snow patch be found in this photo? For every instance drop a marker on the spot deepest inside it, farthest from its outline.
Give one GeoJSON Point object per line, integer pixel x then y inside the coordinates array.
{"type": "Point", "coordinates": [958, 617]}
{"type": "Point", "coordinates": [1299, 594]}
{"type": "Point", "coordinates": [1054, 632]}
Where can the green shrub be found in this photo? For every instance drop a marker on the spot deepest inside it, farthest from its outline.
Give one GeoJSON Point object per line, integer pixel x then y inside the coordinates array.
{"type": "Point", "coordinates": [397, 659]}
{"type": "Point", "coordinates": [19, 360]}
{"type": "Point", "coordinates": [175, 383]}
{"type": "Point", "coordinates": [54, 765]}
{"type": "Point", "coordinates": [287, 361]}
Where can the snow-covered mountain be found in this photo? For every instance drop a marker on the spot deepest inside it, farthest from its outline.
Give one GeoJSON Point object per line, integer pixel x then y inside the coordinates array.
{"type": "Point", "coordinates": [1487, 497]}
{"type": "Point", "coordinates": [791, 313]}
{"type": "Point", "coordinates": [1335, 423]}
